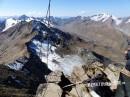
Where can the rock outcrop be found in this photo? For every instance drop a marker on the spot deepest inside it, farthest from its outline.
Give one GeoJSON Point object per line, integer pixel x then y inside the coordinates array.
{"type": "Point", "coordinates": [95, 79]}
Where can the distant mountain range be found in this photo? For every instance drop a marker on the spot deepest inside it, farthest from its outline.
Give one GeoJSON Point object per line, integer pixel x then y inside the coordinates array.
{"type": "Point", "coordinates": [121, 24]}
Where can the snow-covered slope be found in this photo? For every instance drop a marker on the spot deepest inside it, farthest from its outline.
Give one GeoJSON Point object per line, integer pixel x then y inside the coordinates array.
{"type": "Point", "coordinates": [55, 62]}
{"type": "Point", "coordinates": [9, 23]}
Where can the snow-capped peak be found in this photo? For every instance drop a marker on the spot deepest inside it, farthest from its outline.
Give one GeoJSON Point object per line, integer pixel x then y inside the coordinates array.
{"type": "Point", "coordinates": [12, 21]}
{"type": "Point", "coordinates": [100, 17]}
{"type": "Point", "coordinates": [25, 18]}
{"type": "Point", "coordinates": [103, 17]}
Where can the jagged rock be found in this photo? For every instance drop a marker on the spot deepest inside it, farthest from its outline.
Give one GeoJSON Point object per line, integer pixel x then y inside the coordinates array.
{"type": "Point", "coordinates": [52, 90]}
{"type": "Point", "coordinates": [90, 72]}
{"type": "Point", "coordinates": [54, 76]}
{"type": "Point", "coordinates": [78, 74]}
{"type": "Point", "coordinates": [113, 76]}
{"type": "Point", "coordinates": [95, 69]}
{"type": "Point", "coordinates": [79, 91]}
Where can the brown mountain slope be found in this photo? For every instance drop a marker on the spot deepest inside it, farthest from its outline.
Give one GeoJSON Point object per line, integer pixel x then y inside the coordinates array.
{"type": "Point", "coordinates": [109, 41]}
{"type": "Point", "coordinates": [12, 42]}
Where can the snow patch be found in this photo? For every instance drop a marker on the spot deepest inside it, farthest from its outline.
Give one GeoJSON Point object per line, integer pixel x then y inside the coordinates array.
{"type": "Point", "coordinates": [18, 64]}
{"type": "Point", "coordinates": [46, 23]}
{"type": "Point", "coordinates": [9, 23]}
{"type": "Point", "coordinates": [68, 63]}
{"type": "Point", "coordinates": [55, 61]}
{"type": "Point", "coordinates": [29, 19]}
{"type": "Point", "coordinates": [117, 20]}
{"type": "Point", "coordinates": [42, 51]}
{"type": "Point", "coordinates": [15, 66]}
{"type": "Point", "coordinates": [128, 21]}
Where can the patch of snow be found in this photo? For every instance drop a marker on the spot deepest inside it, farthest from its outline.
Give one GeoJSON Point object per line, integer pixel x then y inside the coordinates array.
{"type": "Point", "coordinates": [68, 63]}
{"type": "Point", "coordinates": [46, 23]}
{"type": "Point", "coordinates": [9, 23]}
{"type": "Point", "coordinates": [15, 66]}
{"type": "Point", "coordinates": [29, 19]}
{"type": "Point", "coordinates": [94, 94]}
{"type": "Point", "coordinates": [42, 52]}
{"type": "Point", "coordinates": [117, 20]}
{"type": "Point", "coordinates": [128, 21]}
{"type": "Point", "coordinates": [56, 62]}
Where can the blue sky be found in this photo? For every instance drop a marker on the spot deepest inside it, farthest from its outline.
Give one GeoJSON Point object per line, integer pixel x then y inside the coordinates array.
{"type": "Point", "coordinates": [65, 7]}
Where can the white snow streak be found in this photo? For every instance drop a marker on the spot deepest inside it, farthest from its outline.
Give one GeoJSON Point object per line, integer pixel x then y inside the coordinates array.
{"type": "Point", "coordinates": [94, 94]}
{"type": "Point", "coordinates": [15, 66]}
